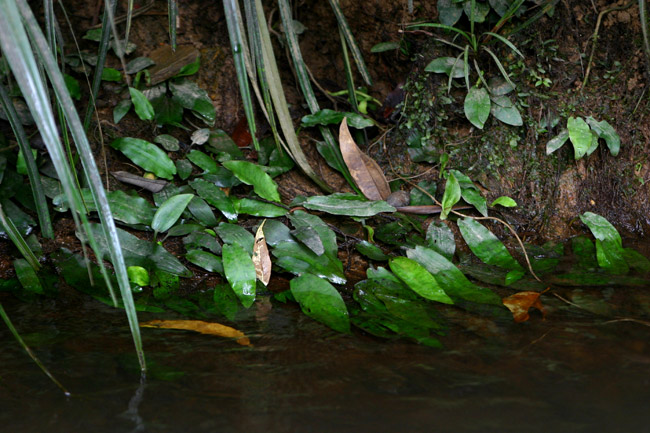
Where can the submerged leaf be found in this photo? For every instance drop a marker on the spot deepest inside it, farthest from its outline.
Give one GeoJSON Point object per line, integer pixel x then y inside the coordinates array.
{"type": "Point", "coordinates": [210, 328]}
{"type": "Point", "coordinates": [321, 301]}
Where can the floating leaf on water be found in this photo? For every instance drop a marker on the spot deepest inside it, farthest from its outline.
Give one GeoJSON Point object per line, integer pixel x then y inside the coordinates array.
{"type": "Point", "coordinates": [521, 302]}
{"type": "Point", "coordinates": [321, 301]}
{"type": "Point", "coordinates": [200, 326]}
{"type": "Point", "coordinates": [146, 155]}
{"type": "Point", "coordinates": [418, 279]}
{"type": "Point", "coordinates": [240, 272]}
{"type": "Point", "coordinates": [365, 171]}
{"type": "Point", "coordinates": [261, 257]}
{"type": "Point", "coordinates": [252, 174]}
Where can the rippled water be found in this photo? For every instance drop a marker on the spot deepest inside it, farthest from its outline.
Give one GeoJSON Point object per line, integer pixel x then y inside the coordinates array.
{"type": "Point", "coordinates": [571, 372]}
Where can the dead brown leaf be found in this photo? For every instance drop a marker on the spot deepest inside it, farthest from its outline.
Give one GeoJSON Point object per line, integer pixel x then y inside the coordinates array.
{"type": "Point", "coordinates": [210, 328]}
{"type": "Point", "coordinates": [365, 171]}
{"type": "Point", "coordinates": [521, 302]}
{"type": "Point", "coordinates": [261, 257]}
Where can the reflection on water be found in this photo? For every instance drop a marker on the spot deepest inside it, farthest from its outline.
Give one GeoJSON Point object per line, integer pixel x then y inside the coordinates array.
{"type": "Point", "coordinates": [569, 373]}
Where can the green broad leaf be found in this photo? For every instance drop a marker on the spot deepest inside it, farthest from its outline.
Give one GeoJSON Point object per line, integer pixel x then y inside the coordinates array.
{"type": "Point", "coordinates": [146, 155]}
{"type": "Point", "coordinates": [276, 233]}
{"type": "Point", "coordinates": [418, 279]}
{"type": "Point", "coordinates": [449, 12]}
{"type": "Point", "coordinates": [556, 142]}
{"type": "Point", "coordinates": [225, 301]}
{"type": "Point", "coordinates": [129, 209]}
{"type": "Point", "coordinates": [202, 239]}
{"type": "Point", "coordinates": [139, 252]}
{"type": "Point", "coordinates": [580, 136]}
{"type": "Point", "coordinates": [344, 204]}
{"type": "Point", "coordinates": [504, 201]}
{"type": "Point", "coordinates": [240, 272]}
{"type": "Point", "coordinates": [451, 195]}
{"type": "Point", "coordinates": [184, 229]}
{"type": "Point", "coordinates": [319, 300]}
{"type": "Point", "coordinates": [585, 252]}
{"type": "Point", "coordinates": [447, 65]}
{"type": "Point", "coordinates": [513, 276]}
{"type": "Point", "coordinates": [141, 104]}
{"type": "Point", "coordinates": [205, 260]}
{"type": "Point", "coordinates": [450, 278]}
{"type": "Point", "coordinates": [27, 277]}
{"type": "Point", "coordinates": [419, 198]}
{"type": "Point", "coordinates": [485, 245]}
{"type": "Point", "coordinates": [473, 196]}
{"type": "Point", "coordinates": [500, 6]}
{"type": "Point", "coordinates": [440, 238]}
{"type": "Point", "coordinates": [371, 251]}
{"type": "Point", "coordinates": [215, 196]}
{"type": "Point", "coordinates": [477, 106]}
{"type": "Point", "coordinates": [190, 68]}
{"type": "Point", "coordinates": [72, 85]}
{"type": "Point", "coordinates": [327, 237]}
{"type": "Point", "coordinates": [384, 46]}
{"type": "Point", "coordinates": [183, 168]}
{"type": "Point", "coordinates": [298, 259]}
{"type": "Point", "coordinates": [252, 174]}
{"type": "Point", "coordinates": [330, 117]}
{"type": "Point", "coordinates": [223, 146]}
{"type": "Point", "coordinates": [138, 64]}
{"type": "Point", "coordinates": [594, 143]}
{"type": "Point", "coordinates": [111, 74]}
{"type": "Point", "coordinates": [309, 238]}
{"type": "Point", "coordinates": [203, 161]}
{"type": "Point", "coordinates": [480, 12]}
{"type": "Point", "coordinates": [200, 136]}
{"type": "Point", "coordinates": [168, 111]}
{"type": "Point", "coordinates": [257, 208]}
{"type": "Point", "coordinates": [138, 275]}
{"type": "Point", "coordinates": [202, 211]}
{"type": "Point", "coordinates": [189, 95]}
{"type": "Point", "coordinates": [504, 110]}
{"type": "Point", "coordinates": [606, 132]}
{"type": "Point", "coordinates": [382, 273]}
{"type": "Point", "coordinates": [21, 164]}
{"type": "Point", "coordinates": [169, 212]}
{"type": "Point", "coordinates": [234, 234]}
{"type": "Point", "coordinates": [609, 246]}
{"type": "Point", "coordinates": [121, 109]}
{"type": "Point", "coordinates": [499, 86]}
{"type": "Point", "coordinates": [168, 142]}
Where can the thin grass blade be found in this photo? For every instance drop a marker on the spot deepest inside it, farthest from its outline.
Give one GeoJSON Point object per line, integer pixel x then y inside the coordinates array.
{"type": "Point", "coordinates": [507, 42]}
{"type": "Point", "coordinates": [352, 43]}
{"type": "Point", "coordinates": [500, 66]}
{"type": "Point", "coordinates": [15, 236]}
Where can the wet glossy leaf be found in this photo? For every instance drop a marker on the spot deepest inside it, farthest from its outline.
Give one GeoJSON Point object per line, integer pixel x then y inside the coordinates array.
{"type": "Point", "coordinates": [418, 279]}
{"type": "Point", "coordinates": [257, 208]}
{"type": "Point", "coordinates": [205, 260]}
{"type": "Point", "coordinates": [189, 95]}
{"type": "Point", "coordinates": [223, 146]}
{"type": "Point", "coordinates": [371, 251]}
{"type": "Point", "coordinates": [261, 257]}
{"type": "Point", "coordinates": [121, 109]}
{"type": "Point", "coordinates": [203, 160]}
{"type": "Point", "coordinates": [138, 275]}
{"type": "Point", "coordinates": [477, 106]}
{"type": "Point", "coordinates": [214, 196]}
{"type": "Point", "coordinates": [139, 252]}
{"type": "Point", "coordinates": [580, 136]}
{"type": "Point", "coordinates": [451, 195]}
{"type": "Point", "coordinates": [200, 210]}
{"type": "Point", "coordinates": [609, 246]}
{"type": "Point", "coordinates": [504, 110]}
{"type": "Point", "coordinates": [321, 301]}
{"type": "Point", "coordinates": [27, 277]}
{"type": "Point", "coordinates": [504, 201]}
{"type": "Point", "coordinates": [309, 238]}
{"type": "Point", "coordinates": [169, 212]}
{"type": "Point", "coordinates": [146, 155]}
{"type": "Point", "coordinates": [440, 238]}
{"type": "Point", "coordinates": [304, 220]}
{"type": "Point", "coordinates": [485, 245]}
{"type": "Point", "coordinates": [141, 104]}
{"type": "Point", "coordinates": [520, 303]}
{"type": "Point", "coordinates": [513, 276]}
{"type": "Point", "coordinates": [252, 174]}
{"type": "Point", "coordinates": [202, 239]}
{"type": "Point", "coordinates": [447, 65]}
{"type": "Point", "coordinates": [240, 272]}
{"type": "Point", "coordinates": [298, 259]}
{"type": "Point", "coordinates": [606, 132]}
{"type": "Point", "coordinates": [365, 171]}
{"type": "Point", "coordinates": [276, 233]}
{"type": "Point", "coordinates": [210, 328]}
{"type": "Point", "coordinates": [449, 12]}
{"type": "Point", "coordinates": [450, 278]}
{"type": "Point", "coordinates": [473, 196]}
{"type": "Point", "coordinates": [234, 234]}
{"type": "Point", "coordinates": [345, 204]}
{"type": "Point", "coordinates": [168, 142]}
{"type": "Point", "coordinates": [556, 142]}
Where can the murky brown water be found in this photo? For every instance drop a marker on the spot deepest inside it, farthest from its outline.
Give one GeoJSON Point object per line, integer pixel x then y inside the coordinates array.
{"type": "Point", "coordinates": [570, 373]}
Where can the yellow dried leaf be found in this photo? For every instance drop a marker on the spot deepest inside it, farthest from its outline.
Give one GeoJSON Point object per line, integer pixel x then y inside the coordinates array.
{"type": "Point", "coordinates": [261, 257]}
{"type": "Point", "coordinates": [210, 328]}
{"type": "Point", "coordinates": [521, 302]}
{"type": "Point", "coordinates": [365, 171]}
